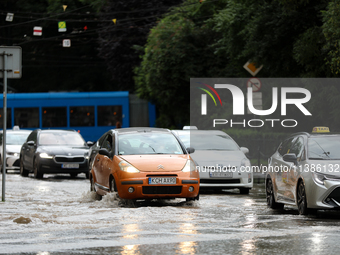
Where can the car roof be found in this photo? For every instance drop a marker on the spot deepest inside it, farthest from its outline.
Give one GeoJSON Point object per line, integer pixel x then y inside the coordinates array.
{"type": "Point", "coordinates": [57, 130]}
{"type": "Point", "coordinates": [313, 134]}
{"type": "Point", "coordinates": [16, 131]}
{"type": "Point", "coordinates": [141, 129]}
{"type": "Point", "coordinates": [200, 132]}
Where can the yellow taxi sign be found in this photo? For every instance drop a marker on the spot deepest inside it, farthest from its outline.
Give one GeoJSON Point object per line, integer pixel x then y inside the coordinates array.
{"type": "Point", "coordinates": [320, 130]}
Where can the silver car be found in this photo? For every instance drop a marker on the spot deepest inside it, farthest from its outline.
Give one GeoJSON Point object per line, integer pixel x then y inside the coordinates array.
{"type": "Point", "coordinates": [14, 140]}
{"type": "Point", "coordinates": [222, 164]}
{"type": "Point", "coordinates": [305, 172]}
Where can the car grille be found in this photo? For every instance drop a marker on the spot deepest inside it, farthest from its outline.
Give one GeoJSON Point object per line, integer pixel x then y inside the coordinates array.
{"type": "Point", "coordinates": [162, 190]}
{"type": "Point", "coordinates": [63, 159]}
{"type": "Point", "coordinates": [333, 199]}
{"type": "Point", "coordinates": [224, 181]}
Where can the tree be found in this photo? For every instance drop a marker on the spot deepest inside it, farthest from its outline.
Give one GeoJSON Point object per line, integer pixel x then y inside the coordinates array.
{"type": "Point", "coordinates": [177, 49]}
{"type": "Point", "coordinates": [286, 37]}
{"type": "Point", "coordinates": [125, 24]}
{"type": "Point", "coordinates": [330, 28]}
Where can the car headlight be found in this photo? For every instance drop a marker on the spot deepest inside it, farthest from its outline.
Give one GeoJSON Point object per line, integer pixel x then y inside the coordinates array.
{"type": "Point", "coordinates": [245, 162]}
{"type": "Point", "coordinates": [126, 167]}
{"type": "Point", "coordinates": [320, 178]}
{"type": "Point", "coordinates": [189, 166]}
{"type": "Point", "coordinates": [45, 155]}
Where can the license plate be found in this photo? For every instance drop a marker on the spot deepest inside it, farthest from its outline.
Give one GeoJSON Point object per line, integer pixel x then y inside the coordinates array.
{"type": "Point", "coordinates": [221, 174]}
{"type": "Point", "coordinates": [162, 180]}
{"type": "Point", "coordinates": [70, 166]}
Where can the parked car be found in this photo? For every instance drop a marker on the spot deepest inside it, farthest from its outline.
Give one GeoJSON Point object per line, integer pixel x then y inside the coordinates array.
{"type": "Point", "coordinates": [53, 152]}
{"type": "Point", "coordinates": [143, 163]}
{"type": "Point", "coordinates": [221, 162]}
{"type": "Point", "coordinates": [305, 172]}
{"type": "Point", "coordinates": [14, 140]}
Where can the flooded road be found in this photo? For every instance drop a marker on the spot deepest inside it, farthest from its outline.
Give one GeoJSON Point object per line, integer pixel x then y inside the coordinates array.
{"type": "Point", "coordinates": [59, 215]}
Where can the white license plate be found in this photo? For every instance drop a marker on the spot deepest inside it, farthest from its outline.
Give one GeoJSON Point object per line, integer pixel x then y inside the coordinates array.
{"type": "Point", "coordinates": [162, 180]}
{"type": "Point", "coordinates": [70, 166]}
{"type": "Point", "coordinates": [221, 174]}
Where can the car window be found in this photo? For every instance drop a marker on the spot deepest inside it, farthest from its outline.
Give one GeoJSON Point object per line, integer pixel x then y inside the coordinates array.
{"type": "Point", "coordinates": [62, 138]}
{"type": "Point", "coordinates": [108, 143]}
{"type": "Point", "coordinates": [297, 147]}
{"type": "Point", "coordinates": [32, 137]}
{"type": "Point", "coordinates": [211, 141]}
{"type": "Point", "coordinates": [148, 143]}
{"type": "Point", "coordinates": [285, 147]}
{"type": "Point", "coordinates": [16, 138]}
{"type": "Point", "coordinates": [324, 147]}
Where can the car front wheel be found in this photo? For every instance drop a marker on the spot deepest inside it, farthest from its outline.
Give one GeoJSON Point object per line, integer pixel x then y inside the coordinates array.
{"type": "Point", "coordinates": [270, 196]}
{"type": "Point", "coordinates": [37, 173]}
{"type": "Point", "coordinates": [302, 200]}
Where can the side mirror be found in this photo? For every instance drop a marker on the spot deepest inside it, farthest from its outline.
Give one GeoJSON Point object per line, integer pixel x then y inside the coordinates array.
{"type": "Point", "coordinates": [190, 150]}
{"type": "Point", "coordinates": [30, 143]}
{"type": "Point", "coordinates": [89, 143]}
{"type": "Point", "coordinates": [290, 157]}
{"type": "Point", "coordinates": [105, 152]}
{"type": "Point", "coordinates": [244, 150]}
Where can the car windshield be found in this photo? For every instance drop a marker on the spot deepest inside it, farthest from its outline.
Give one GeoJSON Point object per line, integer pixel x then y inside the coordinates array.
{"type": "Point", "coordinates": [148, 143]}
{"type": "Point", "coordinates": [325, 147]}
{"type": "Point", "coordinates": [16, 138]}
{"type": "Point", "coordinates": [207, 141]}
{"type": "Point", "coordinates": [62, 138]}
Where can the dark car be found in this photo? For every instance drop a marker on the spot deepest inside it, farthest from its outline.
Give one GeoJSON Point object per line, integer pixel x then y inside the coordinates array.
{"type": "Point", "coordinates": [54, 151]}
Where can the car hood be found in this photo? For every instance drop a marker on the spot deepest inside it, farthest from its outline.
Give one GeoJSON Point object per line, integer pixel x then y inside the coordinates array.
{"type": "Point", "coordinates": [153, 163]}
{"type": "Point", "coordinates": [13, 148]}
{"type": "Point", "coordinates": [63, 150]}
{"type": "Point", "coordinates": [213, 157]}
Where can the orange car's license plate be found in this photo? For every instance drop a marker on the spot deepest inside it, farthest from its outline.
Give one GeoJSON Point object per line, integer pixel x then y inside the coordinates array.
{"type": "Point", "coordinates": [162, 180]}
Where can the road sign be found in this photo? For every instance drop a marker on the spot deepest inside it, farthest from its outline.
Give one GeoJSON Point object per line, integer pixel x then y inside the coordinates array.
{"type": "Point", "coordinates": [66, 43]}
{"type": "Point", "coordinates": [251, 68]}
{"type": "Point", "coordinates": [62, 26]}
{"type": "Point", "coordinates": [37, 31]}
{"type": "Point", "coordinates": [254, 83]}
{"type": "Point", "coordinates": [13, 61]}
{"type": "Point", "coordinates": [9, 17]}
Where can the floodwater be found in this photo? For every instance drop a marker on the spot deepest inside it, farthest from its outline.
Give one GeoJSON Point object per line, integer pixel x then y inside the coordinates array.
{"type": "Point", "coordinates": [59, 215]}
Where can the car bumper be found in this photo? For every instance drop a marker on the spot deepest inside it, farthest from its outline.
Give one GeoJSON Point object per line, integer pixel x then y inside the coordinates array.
{"type": "Point", "coordinates": [12, 162]}
{"type": "Point", "coordinates": [239, 180]}
{"type": "Point", "coordinates": [143, 190]}
{"type": "Point", "coordinates": [50, 166]}
{"type": "Point", "coordinates": [325, 196]}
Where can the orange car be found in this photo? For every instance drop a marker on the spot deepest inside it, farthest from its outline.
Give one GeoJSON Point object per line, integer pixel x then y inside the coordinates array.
{"type": "Point", "coordinates": [143, 163]}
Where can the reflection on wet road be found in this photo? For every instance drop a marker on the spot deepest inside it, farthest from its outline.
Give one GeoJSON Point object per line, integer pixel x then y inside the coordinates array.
{"type": "Point", "coordinates": [58, 215]}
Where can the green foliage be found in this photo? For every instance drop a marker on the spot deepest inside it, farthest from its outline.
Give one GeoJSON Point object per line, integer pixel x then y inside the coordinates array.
{"type": "Point", "coordinates": [215, 39]}
{"type": "Point", "coordinates": [177, 49]}
{"type": "Point", "coordinates": [330, 27]}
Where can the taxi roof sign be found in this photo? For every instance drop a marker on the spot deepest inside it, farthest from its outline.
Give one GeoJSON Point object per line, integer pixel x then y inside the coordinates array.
{"type": "Point", "coordinates": [320, 130]}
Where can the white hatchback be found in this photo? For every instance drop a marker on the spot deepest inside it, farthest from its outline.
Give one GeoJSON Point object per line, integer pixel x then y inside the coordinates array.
{"type": "Point", "coordinates": [222, 164]}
